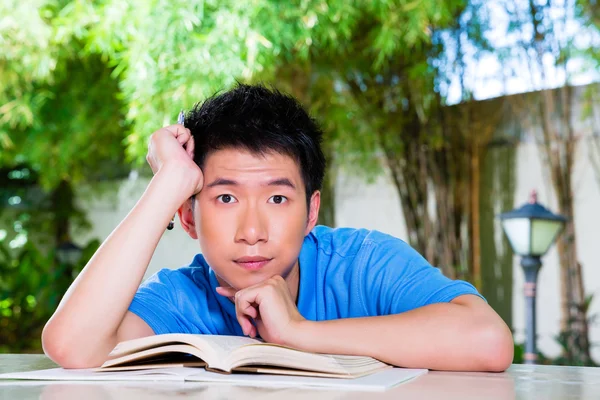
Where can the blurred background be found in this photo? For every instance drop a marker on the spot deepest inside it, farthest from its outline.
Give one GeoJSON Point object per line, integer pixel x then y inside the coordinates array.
{"type": "Point", "coordinates": [438, 114]}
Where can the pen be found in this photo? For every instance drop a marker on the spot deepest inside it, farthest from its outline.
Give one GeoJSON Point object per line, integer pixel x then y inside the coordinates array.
{"type": "Point", "coordinates": [180, 121]}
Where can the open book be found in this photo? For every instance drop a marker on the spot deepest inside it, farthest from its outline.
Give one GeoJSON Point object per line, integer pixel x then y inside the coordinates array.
{"type": "Point", "coordinates": [228, 354]}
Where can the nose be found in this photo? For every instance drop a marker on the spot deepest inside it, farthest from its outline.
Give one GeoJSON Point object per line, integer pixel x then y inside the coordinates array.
{"type": "Point", "coordinates": [252, 226]}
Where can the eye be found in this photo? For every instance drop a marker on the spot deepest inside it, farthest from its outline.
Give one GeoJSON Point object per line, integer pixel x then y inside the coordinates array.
{"type": "Point", "coordinates": [226, 199]}
{"type": "Point", "coordinates": [278, 199]}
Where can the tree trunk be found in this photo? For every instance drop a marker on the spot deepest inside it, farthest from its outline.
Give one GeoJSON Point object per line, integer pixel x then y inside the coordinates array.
{"type": "Point", "coordinates": [497, 193]}
{"type": "Point", "coordinates": [430, 157]}
{"type": "Point", "coordinates": [559, 146]}
{"type": "Point", "coordinates": [574, 324]}
{"type": "Point", "coordinates": [62, 208]}
{"type": "Point", "coordinates": [474, 215]}
{"type": "Point", "coordinates": [594, 148]}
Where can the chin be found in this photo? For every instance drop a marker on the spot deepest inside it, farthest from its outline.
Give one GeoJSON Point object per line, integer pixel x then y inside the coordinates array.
{"type": "Point", "coordinates": [242, 281]}
{"type": "Point", "coordinates": [255, 279]}
{"type": "Point", "coordinates": [238, 278]}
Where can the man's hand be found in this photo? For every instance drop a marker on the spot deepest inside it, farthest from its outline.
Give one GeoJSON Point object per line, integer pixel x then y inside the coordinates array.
{"type": "Point", "coordinates": [268, 307]}
{"type": "Point", "coordinates": [172, 147]}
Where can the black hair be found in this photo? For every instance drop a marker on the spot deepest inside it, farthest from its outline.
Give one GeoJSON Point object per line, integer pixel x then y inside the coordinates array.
{"type": "Point", "coordinates": [259, 120]}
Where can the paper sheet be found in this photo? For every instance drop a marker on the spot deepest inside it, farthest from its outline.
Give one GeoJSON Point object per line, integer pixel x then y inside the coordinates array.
{"type": "Point", "coordinates": [378, 381]}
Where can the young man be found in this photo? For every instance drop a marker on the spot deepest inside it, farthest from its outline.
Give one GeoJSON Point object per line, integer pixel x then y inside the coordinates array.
{"type": "Point", "coordinates": [244, 175]}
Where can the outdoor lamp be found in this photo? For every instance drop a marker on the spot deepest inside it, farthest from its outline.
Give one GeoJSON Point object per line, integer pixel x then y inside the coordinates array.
{"type": "Point", "coordinates": [68, 253]}
{"type": "Point", "coordinates": [531, 230]}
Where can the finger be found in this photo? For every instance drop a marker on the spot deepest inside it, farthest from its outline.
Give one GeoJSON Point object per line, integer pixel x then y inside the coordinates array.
{"type": "Point", "coordinates": [244, 320]}
{"type": "Point", "coordinates": [245, 324]}
{"type": "Point", "coordinates": [245, 309]}
{"type": "Point", "coordinates": [258, 325]}
{"type": "Point", "coordinates": [243, 312]}
{"type": "Point", "coordinates": [242, 315]}
{"type": "Point", "coordinates": [176, 130]}
{"type": "Point", "coordinates": [183, 138]}
{"type": "Point", "coordinates": [251, 311]}
{"type": "Point", "coordinates": [190, 146]}
{"type": "Point", "coordinates": [225, 291]}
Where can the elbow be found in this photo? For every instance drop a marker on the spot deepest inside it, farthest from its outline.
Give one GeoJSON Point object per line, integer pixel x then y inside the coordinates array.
{"type": "Point", "coordinates": [64, 351]}
{"type": "Point", "coordinates": [496, 348]}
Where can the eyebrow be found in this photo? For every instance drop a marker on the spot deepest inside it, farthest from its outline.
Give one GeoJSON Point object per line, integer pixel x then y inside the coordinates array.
{"type": "Point", "coordinates": [222, 182]}
{"type": "Point", "coordinates": [230, 182]}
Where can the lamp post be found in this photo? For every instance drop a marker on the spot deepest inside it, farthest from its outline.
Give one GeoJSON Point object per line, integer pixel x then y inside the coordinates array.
{"type": "Point", "coordinates": [531, 230]}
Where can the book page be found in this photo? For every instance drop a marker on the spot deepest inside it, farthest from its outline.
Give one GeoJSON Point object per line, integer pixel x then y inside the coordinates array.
{"type": "Point", "coordinates": [147, 366]}
{"type": "Point", "coordinates": [377, 382]}
{"type": "Point", "coordinates": [213, 349]}
{"type": "Point", "coordinates": [278, 356]}
{"type": "Point", "coordinates": [174, 353]}
{"type": "Point", "coordinates": [60, 374]}
{"type": "Point", "coordinates": [223, 344]}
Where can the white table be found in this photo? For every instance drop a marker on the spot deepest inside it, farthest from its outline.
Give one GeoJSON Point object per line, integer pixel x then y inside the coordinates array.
{"type": "Point", "coordinates": [519, 382]}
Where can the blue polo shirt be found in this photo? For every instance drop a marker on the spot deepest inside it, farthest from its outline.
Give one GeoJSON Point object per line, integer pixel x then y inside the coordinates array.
{"type": "Point", "coordinates": [344, 273]}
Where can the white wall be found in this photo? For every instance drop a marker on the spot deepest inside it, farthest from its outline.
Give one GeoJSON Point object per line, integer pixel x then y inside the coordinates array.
{"type": "Point", "coordinates": [105, 212]}
{"type": "Point", "coordinates": [376, 206]}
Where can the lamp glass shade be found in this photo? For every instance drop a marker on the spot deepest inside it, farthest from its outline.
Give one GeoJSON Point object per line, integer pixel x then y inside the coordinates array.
{"type": "Point", "coordinates": [543, 233]}
{"type": "Point", "coordinates": [518, 231]}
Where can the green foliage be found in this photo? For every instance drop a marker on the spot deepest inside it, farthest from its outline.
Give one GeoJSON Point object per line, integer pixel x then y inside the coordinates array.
{"type": "Point", "coordinates": [27, 56]}
{"type": "Point", "coordinates": [497, 193]}
{"type": "Point", "coordinates": [519, 354]}
{"type": "Point", "coordinates": [61, 123]}
{"type": "Point", "coordinates": [78, 129]}
{"type": "Point", "coordinates": [169, 55]}
{"type": "Point", "coordinates": [31, 285]}
{"type": "Point", "coordinates": [60, 106]}
{"type": "Point", "coordinates": [542, 359]}
{"type": "Point", "coordinates": [589, 12]}
{"type": "Point", "coordinates": [570, 335]}
{"type": "Point", "coordinates": [24, 292]}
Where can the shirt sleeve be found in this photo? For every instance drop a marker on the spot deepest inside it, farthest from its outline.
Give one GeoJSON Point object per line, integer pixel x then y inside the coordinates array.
{"type": "Point", "coordinates": [398, 279]}
{"type": "Point", "coordinates": [157, 303]}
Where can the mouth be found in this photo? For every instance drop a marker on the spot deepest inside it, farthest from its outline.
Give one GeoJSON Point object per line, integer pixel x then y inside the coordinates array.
{"type": "Point", "coordinates": [252, 263]}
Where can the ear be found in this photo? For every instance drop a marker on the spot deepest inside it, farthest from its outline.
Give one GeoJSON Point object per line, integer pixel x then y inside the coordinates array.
{"type": "Point", "coordinates": [186, 217]}
{"type": "Point", "coordinates": [313, 211]}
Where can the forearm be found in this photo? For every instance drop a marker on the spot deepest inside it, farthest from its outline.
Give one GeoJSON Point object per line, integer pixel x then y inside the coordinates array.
{"type": "Point", "coordinates": [98, 299]}
{"type": "Point", "coordinates": [438, 336]}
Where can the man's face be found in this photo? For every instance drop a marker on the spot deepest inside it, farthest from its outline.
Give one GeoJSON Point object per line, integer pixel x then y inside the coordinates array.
{"type": "Point", "coordinates": [251, 216]}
